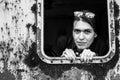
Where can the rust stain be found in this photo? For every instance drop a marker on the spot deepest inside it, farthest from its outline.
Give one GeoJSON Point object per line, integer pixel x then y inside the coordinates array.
{"type": "Point", "coordinates": [114, 74]}
{"type": "Point", "coordinates": [17, 39]}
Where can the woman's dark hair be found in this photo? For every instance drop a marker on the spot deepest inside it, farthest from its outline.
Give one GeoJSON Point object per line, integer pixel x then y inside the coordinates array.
{"type": "Point", "coordinates": [85, 16]}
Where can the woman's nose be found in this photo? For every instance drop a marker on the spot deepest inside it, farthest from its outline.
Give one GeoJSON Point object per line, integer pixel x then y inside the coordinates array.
{"type": "Point", "coordinates": [81, 36]}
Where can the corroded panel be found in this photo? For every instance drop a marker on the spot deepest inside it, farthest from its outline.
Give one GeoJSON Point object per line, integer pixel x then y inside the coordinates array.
{"type": "Point", "coordinates": [18, 57]}
{"type": "Point", "coordinates": [114, 73]}
{"type": "Point", "coordinates": [17, 34]}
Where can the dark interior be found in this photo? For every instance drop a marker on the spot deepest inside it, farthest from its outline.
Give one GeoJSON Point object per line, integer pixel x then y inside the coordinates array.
{"type": "Point", "coordinates": [58, 18]}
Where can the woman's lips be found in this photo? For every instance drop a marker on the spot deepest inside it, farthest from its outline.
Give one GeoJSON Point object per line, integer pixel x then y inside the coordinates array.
{"type": "Point", "coordinates": [81, 43]}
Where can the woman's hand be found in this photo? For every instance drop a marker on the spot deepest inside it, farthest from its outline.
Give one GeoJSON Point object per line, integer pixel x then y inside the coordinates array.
{"type": "Point", "coordinates": [87, 55]}
{"type": "Point", "coordinates": [69, 54]}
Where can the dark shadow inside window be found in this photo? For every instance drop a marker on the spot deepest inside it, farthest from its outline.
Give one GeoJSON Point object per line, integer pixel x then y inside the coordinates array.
{"type": "Point", "coordinates": [58, 19]}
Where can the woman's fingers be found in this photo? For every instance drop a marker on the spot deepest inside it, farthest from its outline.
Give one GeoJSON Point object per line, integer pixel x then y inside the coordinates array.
{"type": "Point", "coordinates": [87, 55]}
{"type": "Point", "coordinates": [69, 54]}
{"type": "Point", "coordinates": [72, 53]}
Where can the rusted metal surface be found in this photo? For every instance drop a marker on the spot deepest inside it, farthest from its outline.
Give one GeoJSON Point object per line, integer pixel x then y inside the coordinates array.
{"type": "Point", "coordinates": [114, 74]}
{"type": "Point", "coordinates": [18, 56]}
{"type": "Point", "coordinates": [17, 33]}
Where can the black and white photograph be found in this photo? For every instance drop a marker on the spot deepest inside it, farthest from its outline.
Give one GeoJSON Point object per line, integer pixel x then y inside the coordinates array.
{"type": "Point", "coordinates": [59, 39]}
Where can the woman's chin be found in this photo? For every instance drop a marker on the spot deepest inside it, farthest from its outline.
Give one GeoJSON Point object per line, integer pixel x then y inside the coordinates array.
{"type": "Point", "coordinates": [81, 47]}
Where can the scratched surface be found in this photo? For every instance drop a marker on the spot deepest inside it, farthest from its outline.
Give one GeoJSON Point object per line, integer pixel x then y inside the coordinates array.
{"type": "Point", "coordinates": [18, 57]}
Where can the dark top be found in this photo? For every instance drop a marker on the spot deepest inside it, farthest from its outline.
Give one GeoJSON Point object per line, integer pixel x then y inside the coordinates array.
{"type": "Point", "coordinates": [98, 46]}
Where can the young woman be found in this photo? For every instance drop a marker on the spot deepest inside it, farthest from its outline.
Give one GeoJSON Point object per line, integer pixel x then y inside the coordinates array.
{"type": "Point", "coordinates": [84, 41]}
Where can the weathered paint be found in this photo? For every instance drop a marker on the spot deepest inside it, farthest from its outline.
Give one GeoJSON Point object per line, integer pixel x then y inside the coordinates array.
{"type": "Point", "coordinates": [17, 24]}
{"type": "Point", "coordinates": [114, 74]}
{"type": "Point", "coordinates": [18, 57]}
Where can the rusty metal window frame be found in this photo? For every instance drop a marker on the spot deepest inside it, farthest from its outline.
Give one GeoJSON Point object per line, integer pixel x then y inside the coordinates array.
{"type": "Point", "coordinates": [62, 60]}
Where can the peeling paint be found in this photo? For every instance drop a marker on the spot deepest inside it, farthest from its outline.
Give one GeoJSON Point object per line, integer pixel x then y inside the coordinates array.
{"type": "Point", "coordinates": [16, 38]}
{"type": "Point", "coordinates": [76, 74]}
{"type": "Point", "coordinates": [18, 55]}
{"type": "Point", "coordinates": [114, 74]}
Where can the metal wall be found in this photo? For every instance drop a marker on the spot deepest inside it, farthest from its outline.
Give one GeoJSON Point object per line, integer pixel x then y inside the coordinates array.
{"type": "Point", "coordinates": [18, 57]}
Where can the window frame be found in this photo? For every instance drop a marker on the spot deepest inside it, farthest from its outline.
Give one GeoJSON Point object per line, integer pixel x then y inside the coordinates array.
{"type": "Point", "coordinates": [63, 60]}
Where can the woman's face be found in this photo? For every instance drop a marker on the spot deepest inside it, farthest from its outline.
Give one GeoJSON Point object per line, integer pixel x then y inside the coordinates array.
{"type": "Point", "coordinates": [83, 34]}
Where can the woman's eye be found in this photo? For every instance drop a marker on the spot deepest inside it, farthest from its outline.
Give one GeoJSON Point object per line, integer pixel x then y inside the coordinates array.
{"type": "Point", "coordinates": [87, 31]}
{"type": "Point", "coordinates": [77, 31]}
